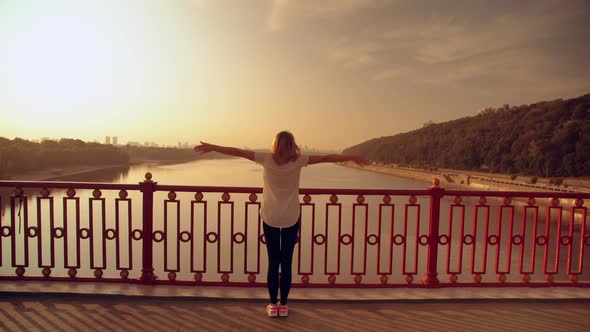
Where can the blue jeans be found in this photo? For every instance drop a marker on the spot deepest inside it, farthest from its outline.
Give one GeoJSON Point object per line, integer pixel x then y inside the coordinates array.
{"type": "Point", "coordinates": [280, 243]}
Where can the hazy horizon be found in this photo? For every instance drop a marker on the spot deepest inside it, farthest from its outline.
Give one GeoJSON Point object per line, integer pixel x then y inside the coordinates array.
{"type": "Point", "coordinates": [334, 72]}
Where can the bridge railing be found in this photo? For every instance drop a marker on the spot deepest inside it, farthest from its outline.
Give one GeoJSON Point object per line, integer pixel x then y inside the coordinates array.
{"type": "Point", "coordinates": [193, 235]}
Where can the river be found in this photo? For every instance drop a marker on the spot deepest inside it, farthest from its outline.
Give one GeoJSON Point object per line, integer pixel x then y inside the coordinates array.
{"type": "Point", "coordinates": [243, 173]}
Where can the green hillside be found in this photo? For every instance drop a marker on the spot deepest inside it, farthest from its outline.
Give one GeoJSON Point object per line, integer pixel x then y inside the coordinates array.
{"type": "Point", "coordinates": [546, 139]}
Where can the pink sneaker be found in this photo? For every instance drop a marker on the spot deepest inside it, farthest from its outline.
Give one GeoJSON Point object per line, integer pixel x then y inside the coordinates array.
{"type": "Point", "coordinates": [283, 310]}
{"type": "Point", "coordinates": [272, 310]}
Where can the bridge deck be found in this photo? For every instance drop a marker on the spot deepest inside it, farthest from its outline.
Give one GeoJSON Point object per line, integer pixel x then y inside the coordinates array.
{"type": "Point", "coordinates": [31, 306]}
{"type": "Point", "coordinates": [81, 312]}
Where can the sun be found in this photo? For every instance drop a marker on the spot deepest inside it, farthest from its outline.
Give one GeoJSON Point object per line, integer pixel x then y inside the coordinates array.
{"type": "Point", "coordinates": [57, 69]}
{"type": "Point", "coordinates": [70, 68]}
{"type": "Point", "coordinates": [88, 68]}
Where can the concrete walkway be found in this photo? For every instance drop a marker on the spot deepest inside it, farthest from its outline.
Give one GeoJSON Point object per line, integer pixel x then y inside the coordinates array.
{"type": "Point", "coordinates": [54, 306]}
{"type": "Point", "coordinates": [46, 312]}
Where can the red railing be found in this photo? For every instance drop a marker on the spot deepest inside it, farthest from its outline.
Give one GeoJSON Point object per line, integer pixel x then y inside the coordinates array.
{"type": "Point", "coordinates": [191, 235]}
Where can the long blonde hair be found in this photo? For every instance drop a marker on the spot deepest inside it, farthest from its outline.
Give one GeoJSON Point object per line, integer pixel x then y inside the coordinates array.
{"type": "Point", "coordinates": [284, 148]}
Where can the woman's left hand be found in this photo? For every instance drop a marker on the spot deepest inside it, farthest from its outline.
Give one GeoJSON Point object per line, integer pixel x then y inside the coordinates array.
{"type": "Point", "coordinates": [204, 148]}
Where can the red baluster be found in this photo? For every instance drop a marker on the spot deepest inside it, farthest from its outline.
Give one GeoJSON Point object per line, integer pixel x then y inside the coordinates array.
{"type": "Point", "coordinates": [436, 193]}
{"type": "Point", "coordinates": [147, 187]}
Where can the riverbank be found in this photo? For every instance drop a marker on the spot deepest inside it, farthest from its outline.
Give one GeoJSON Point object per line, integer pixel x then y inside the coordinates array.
{"type": "Point", "coordinates": [51, 174]}
{"type": "Point", "coordinates": [454, 179]}
{"type": "Point", "coordinates": [59, 173]}
{"type": "Point", "coordinates": [425, 176]}
{"type": "Point", "coordinates": [460, 179]}
{"type": "Point", "coordinates": [408, 173]}
{"type": "Point", "coordinates": [78, 171]}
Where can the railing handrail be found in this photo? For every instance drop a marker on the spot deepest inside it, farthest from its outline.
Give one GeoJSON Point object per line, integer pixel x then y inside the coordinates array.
{"type": "Point", "coordinates": [451, 192]}
{"type": "Point", "coordinates": [303, 191]}
{"type": "Point", "coordinates": [434, 239]}
{"type": "Point", "coordinates": [189, 188]}
{"type": "Point", "coordinates": [67, 185]}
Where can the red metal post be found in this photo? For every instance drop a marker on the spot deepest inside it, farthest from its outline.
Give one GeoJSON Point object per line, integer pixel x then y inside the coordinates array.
{"type": "Point", "coordinates": [147, 187]}
{"type": "Point", "coordinates": [436, 193]}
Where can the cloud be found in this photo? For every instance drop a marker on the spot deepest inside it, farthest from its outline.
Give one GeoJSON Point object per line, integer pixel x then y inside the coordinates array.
{"type": "Point", "coordinates": [333, 7]}
{"type": "Point", "coordinates": [390, 73]}
{"type": "Point", "coordinates": [198, 3]}
{"type": "Point", "coordinates": [283, 10]}
{"type": "Point", "coordinates": [356, 54]}
{"type": "Point", "coordinates": [274, 22]}
{"type": "Point", "coordinates": [446, 47]}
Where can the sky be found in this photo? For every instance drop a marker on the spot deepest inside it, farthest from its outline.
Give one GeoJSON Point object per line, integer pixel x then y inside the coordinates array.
{"type": "Point", "coordinates": [333, 72]}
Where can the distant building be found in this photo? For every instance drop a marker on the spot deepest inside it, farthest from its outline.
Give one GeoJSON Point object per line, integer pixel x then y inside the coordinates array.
{"type": "Point", "coordinates": [151, 144]}
{"type": "Point", "coordinates": [107, 140]}
{"type": "Point", "coordinates": [115, 140]}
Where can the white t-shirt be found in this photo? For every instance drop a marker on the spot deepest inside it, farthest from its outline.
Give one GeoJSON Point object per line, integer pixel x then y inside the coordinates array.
{"type": "Point", "coordinates": [280, 192]}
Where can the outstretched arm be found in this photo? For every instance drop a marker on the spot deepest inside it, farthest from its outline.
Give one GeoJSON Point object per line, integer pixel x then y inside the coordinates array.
{"type": "Point", "coordinates": [334, 158]}
{"type": "Point", "coordinates": [206, 147]}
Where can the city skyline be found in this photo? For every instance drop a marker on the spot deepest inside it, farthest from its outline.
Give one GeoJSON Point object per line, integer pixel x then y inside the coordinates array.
{"type": "Point", "coordinates": [334, 72]}
{"type": "Point", "coordinates": [114, 140]}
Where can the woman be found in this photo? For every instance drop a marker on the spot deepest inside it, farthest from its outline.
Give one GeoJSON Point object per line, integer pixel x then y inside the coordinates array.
{"type": "Point", "coordinates": [280, 209]}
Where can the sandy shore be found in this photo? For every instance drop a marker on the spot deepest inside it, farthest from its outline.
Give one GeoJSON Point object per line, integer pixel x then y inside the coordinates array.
{"type": "Point", "coordinates": [419, 175]}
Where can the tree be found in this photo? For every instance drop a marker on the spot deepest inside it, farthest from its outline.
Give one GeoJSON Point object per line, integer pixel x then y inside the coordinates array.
{"type": "Point", "coordinates": [542, 139]}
